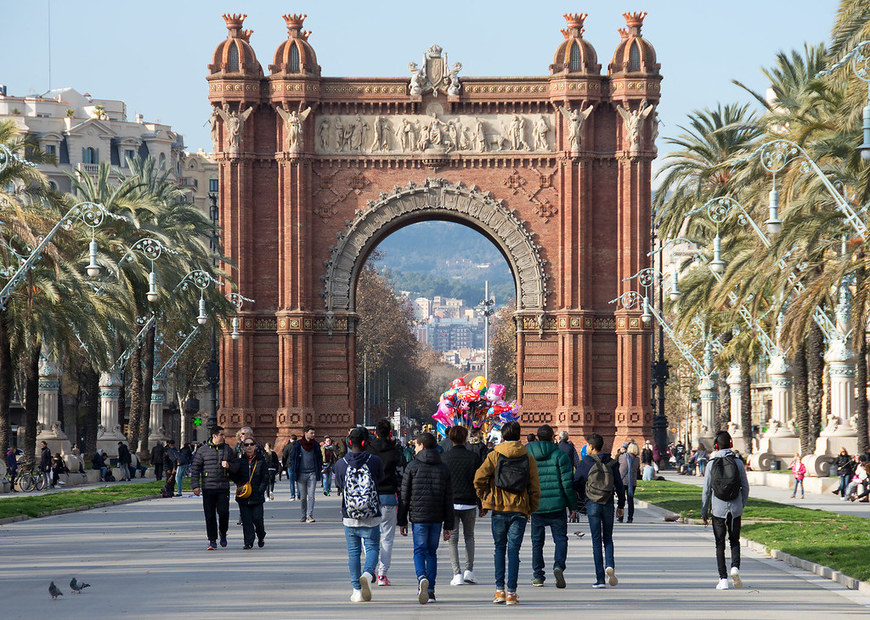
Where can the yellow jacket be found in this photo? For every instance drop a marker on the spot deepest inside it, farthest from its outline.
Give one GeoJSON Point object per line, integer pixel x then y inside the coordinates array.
{"type": "Point", "coordinates": [500, 500]}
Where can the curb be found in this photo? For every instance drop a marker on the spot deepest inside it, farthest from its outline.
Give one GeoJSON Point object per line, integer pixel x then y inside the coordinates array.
{"type": "Point", "coordinates": [826, 572]}
{"type": "Point", "coordinates": [64, 511]}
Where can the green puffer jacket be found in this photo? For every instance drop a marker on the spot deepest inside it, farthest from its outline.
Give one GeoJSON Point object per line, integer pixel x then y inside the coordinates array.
{"type": "Point", "coordinates": [555, 474]}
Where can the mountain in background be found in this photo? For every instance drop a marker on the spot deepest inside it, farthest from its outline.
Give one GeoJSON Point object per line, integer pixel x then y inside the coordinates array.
{"type": "Point", "coordinates": [448, 259]}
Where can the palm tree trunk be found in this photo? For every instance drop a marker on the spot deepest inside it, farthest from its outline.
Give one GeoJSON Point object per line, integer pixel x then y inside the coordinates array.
{"type": "Point", "coordinates": [799, 375]}
{"type": "Point", "coordinates": [135, 398]}
{"type": "Point", "coordinates": [31, 402]}
{"type": "Point", "coordinates": [861, 400]}
{"type": "Point", "coordinates": [5, 385]}
{"type": "Point", "coordinates": [92, 408]}
{"type": "Point", "coordinates": [147, 378]}
{"type": "Point", "coordinates": [746, 405]}
{"type": "Point", "coordinates": [815, 383]}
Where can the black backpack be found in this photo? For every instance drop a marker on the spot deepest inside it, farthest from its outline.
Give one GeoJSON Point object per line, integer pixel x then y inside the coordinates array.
{"type": "Point", "coordinates": [512, 473]}
{"type": "Point", "coordinates": [725, 478]}
{"type": "Point", "coordinates": [599, 481]}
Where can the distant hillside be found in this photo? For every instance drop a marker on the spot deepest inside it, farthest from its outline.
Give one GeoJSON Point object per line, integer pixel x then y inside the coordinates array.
{"type": "Point", "coordinates": [443, 258]}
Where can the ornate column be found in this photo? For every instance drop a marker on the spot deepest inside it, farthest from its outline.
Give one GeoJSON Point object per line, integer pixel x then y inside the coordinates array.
{"type": "Point", "coordinates": [733, 381]}
{"type": "Point", "coordinates": [109, 433]}
{"type": "Point", "coordinates": [158, 402]}
{"type": "Point", "coordinates": [780, 423]}
{"type": "Point", "coordinates": [709, 399]}
{"type": "Point", "coordinates": [49, 393]}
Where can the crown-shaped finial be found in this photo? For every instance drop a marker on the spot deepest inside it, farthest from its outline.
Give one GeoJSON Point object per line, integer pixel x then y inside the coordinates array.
{"type": "Point", "coordinates": [634, 21]}
{"type": "Point", "coordinates": [575, 20]}
{"type": "Point", "coordinates": [246, 34]}
{"type": "Point", "coordinates": [234, 22]}
{"type": "Point", "coordinates": [623, 33]}
{"type": "Point", "coordinates": [294, 21]}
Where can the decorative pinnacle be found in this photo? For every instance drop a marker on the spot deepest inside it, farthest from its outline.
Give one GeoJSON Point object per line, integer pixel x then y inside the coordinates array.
{"type": "Point", "coordinates": [575, 24]}
{"type": "Point", "coordinates": [294, 21]}
{"type": "Point", "coordinates": [234, 22]}
{"type": "Point", "coordinates": [634, 21]}
{"type": "Point", "coordinates": [246, 35]}
{"type": "Point", "coordinates": [623, 33]}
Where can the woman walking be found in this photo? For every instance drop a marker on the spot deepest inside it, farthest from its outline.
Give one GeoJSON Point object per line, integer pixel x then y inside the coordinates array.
{"type": "Point", "coordinates": [272, 465]}
{"type": "Point", "coordinates": [252, 480]}
{"type": "Point", "coordinates": [845, 470]}
{"type": "Point", "coordinates": [799, 470]}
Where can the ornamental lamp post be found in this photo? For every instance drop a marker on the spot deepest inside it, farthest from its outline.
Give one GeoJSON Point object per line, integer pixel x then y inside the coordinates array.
{"type": "Point", "coordinates": [859, 66]}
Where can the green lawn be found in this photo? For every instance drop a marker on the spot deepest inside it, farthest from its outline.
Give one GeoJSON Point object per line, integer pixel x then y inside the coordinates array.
{"type": "Point", "coordinates": [828, 538]}
{"type": "Point", "coordinates": [35, 505]}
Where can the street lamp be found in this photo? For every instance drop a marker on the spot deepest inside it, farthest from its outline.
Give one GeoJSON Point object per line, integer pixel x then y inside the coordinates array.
{"type": "Point", "coordinates": [91, 213]}
{"type": "Point", "coordinates": [859, 65]}
{"type": "Point", "coordinates": [488, 304]}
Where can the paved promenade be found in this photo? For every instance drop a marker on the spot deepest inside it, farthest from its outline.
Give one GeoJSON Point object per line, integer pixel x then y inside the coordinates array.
{"type": "Point", "coordinates": [149, 558]}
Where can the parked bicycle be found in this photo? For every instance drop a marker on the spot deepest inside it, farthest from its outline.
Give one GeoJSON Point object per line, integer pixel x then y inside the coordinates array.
{"type": "Point", "coordinates": [31, 480]}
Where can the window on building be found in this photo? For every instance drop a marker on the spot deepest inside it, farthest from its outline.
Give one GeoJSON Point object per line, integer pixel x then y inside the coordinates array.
{"type": "Point", "coordinates": [634, 58]}
{"type": "Point", "coordinates": [52, 186]}
{"type": "Point", "coordinates": [233, 59]}
{"type": "Point", "coordinates": [161, 161]}
{"type": "Point", "coordinates": [51, 149]}
{"type": "Point", "coordinates": [294, 58]}
{"type": "Point", "coordinates": [575, 58]}
{"type": "Point", "coordinates": [129, 154]}
{"type": "Point", "coordinates": [213, 185]}
{"type": "Point", "coordinates": [90, 155]}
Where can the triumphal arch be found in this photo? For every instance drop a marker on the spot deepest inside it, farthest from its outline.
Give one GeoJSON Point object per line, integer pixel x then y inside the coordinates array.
{"type": "Point", "coordinates": [555, 170]}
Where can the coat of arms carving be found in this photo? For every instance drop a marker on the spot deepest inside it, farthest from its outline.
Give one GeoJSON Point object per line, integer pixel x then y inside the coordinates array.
{"type": "Point", "coordinates": [433, 75]}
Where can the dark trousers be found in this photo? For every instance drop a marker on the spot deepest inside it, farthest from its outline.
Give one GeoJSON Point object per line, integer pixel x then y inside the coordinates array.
{"type": "Point", "coordinates": [730, 526]}
{"type": "Point", "coordinates": [252, 520]}
{"type": "Point", "coordinates": [158, 471]}
{"type": "Point", "coordinates": [216, 505]}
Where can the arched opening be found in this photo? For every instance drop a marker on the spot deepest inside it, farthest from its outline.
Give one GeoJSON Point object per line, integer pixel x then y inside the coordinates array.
{"type": "Point", "coordinates": [634, 57]}
{"type": "Point", "coordinates": [422, 321]}
{"type": "Point", "coordinates": [294, 58]}
{"type": "Point", "coordinates": [233, 58]}
{"type": "Point", "coordinates": [576, 61]}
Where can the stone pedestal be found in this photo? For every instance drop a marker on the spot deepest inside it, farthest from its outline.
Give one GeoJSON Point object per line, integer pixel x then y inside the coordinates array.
{"type": "Point", "coordinates": [158, 402]}
{"type": "Point", "coordinates": [780, 442]}
{"type": "Point", "coordinates": [109, 432]}
{"type": "Point", "coordinates": [709, 406]}
{"type": "Point", "coordinates": [735, 429]}
{"type": "Point", "coordinates": [48, 426]}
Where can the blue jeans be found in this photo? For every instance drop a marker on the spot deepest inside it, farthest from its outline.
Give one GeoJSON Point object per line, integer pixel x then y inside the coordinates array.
{"type": "Point", "coordinates": [702, 465]}
{"type": "Point", "coordinates": [326, 479]}
{"type": "Point", "coordinates": [294, 486]}
{"type": "Point", "coordinates": [508, 529]}
{"type": "Point", "coordinates": [796, 484]}
{"type": "Point", "coordinates": [558, 524]}
{"type": "Point", "coordinates": [601, 526]}
{"type": "Point", "coordinates": [180, 472]}
{"type": "Point", "coordinates": [307, 482]}
{"type": "Point", "coordinates": [426, 536]}
{"type": "Point", "coordinates": [356, 538]}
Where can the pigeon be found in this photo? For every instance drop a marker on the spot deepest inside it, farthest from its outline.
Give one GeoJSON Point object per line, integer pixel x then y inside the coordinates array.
{"type": "Point", "coordinates": [52, 589]}
{"type": "Point", "coordinates": [579, 534]}
{"type": "Point", "coordinates": [78, 587]}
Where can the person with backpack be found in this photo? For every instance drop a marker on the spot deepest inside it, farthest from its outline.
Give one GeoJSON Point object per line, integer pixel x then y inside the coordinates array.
{"type": "Point", "coordinates": [726, 490]}
{"type": "Point", "coordinates": [798, 470]}
{"type": "Point", "coordinates": [507, 484]}
{"type": "Point", "coordinates": [384, 446]}
{"type": "Point", "coordinates": [629, 472]}
{"type": "Point", "coordinates": [555, 473]}
{"type": "Point", "coordinates": [357, 475]}
{"type": "Point", "coordinates": [596, 481]}
{"type": "Point", "coordinates": [427, 500]}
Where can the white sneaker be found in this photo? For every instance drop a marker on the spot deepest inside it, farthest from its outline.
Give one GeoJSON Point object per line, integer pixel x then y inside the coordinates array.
{"type": "Point", "coordinates": [735, 577]}
{"type": "Point", "coordinates": [611, 576]}
{"type": "Point", "coordinates": [457, 580]}
{"type": "Point", "coordinates": [722, 585]}
{"type": "Point", "coordinates": [468, 577]}
{"type": "Point", "coordinates": [364, 580]}
{"type": "Point", "coordinates": [357, 597]}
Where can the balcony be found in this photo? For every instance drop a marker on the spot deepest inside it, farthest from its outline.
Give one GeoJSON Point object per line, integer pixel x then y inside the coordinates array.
{"type": "Point", "coordinates": [89, 168]}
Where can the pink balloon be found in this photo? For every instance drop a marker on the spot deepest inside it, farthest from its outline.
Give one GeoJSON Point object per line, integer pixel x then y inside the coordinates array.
{"type": "Point", "coordinates": [495, 392]}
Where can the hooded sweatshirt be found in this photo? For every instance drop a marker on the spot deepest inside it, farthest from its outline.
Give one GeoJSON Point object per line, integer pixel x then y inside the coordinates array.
{"type": "Point", "coordinates": [501, 500]}
{"type": "Point", "coordinates": [720, 507]}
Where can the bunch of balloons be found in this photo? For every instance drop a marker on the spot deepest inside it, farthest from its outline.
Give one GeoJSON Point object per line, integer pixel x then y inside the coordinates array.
{"type": "Point", "coordinates": [474, 405]}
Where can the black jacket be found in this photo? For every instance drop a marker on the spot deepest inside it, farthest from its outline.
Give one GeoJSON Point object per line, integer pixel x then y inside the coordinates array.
{"type": "Point", "coordinates": [123, 455]}
{"type": "Point", "coordinates": [157, 453]}
{"type": "Point", "coordinates": [259, 481]}
{"type": "Point", "coordinates": [583, 472]}
{"type": "Point", "coordinates": [426, 495]}
{"type": "Point", "coordinates": [568, 448]}
{"type": "Point", "coordinates": [45, 459]}
{"type": "Point", "coordinates": [463, 464]}
{"type": "Point", "coordinates": [207, 467]}
{"type": "Point", "coordinates": [479, 448]}
{"type": "Point", "coordinates": [296, 458]}
{"type": "Point", "coordinates": [391, 457]}
{"type": "Point", "coordinates": [845, 466]}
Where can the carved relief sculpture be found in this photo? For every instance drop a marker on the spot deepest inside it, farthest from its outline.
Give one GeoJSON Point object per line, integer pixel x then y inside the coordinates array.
{"type": "Point", "coordinates": [293, 120]}
{"type": "Point", "coordinates": [213, 129]}
{"type": "Point", "coordinates": [542, 131]}
{"type": "Point", "coordinates": [633, 121]}
{"type": "Point", "coordinates": [323, 133]}
{"type": "Point", "coordinates": [433, 75]}
{"type": "Point", "coordinates": [234, 123]}
{"type": "Point", "coordinates": [382, 130]}
{"type": "Point", "coordinates": [575, 118]}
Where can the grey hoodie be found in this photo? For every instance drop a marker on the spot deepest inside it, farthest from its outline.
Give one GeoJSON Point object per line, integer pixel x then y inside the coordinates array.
{"type": "Point", "coordinates": [721, 508]}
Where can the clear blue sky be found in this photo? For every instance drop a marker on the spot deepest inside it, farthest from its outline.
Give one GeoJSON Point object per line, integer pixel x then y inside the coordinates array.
{"type": "Point", "coordinates": [153, 55]}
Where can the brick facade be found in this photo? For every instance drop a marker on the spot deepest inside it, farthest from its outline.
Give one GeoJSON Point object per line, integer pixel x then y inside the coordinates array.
{"type": "Point", "coordinates": [315, 171]}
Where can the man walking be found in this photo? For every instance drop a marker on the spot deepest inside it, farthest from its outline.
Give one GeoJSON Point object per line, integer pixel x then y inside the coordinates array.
{"type": "Point", "coordinates": [566, 446]}
{"type": "Point", "coordinates": [427, 499]}
{"type": "Point", "coordinates": [507, 483]}
{"type": "Point", "coordinates": [124, 460]}
{"type": "Point", "coordinates": [184, 457]}
{"type": "Point", "coordinates": [157, 460]}
{"type": "Point", "coordinates": [307, 462]}
{"type": "Point", "coordinates": [384, 446]}
{"type": "Point", "coordinates": [357, 475]}
{"type": "Point", "coordinates": [726, 490]}
{"type": "Point", "coordinates": [555, 474]}
{"type": "Point", "coordinates": [213, 464]}
{"type": "Point", "coordinates": [45, 463]}
{"type": "Point", "coordinates": [596, 480]}
{"type": "Point", "coordinates": [463, 464]}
